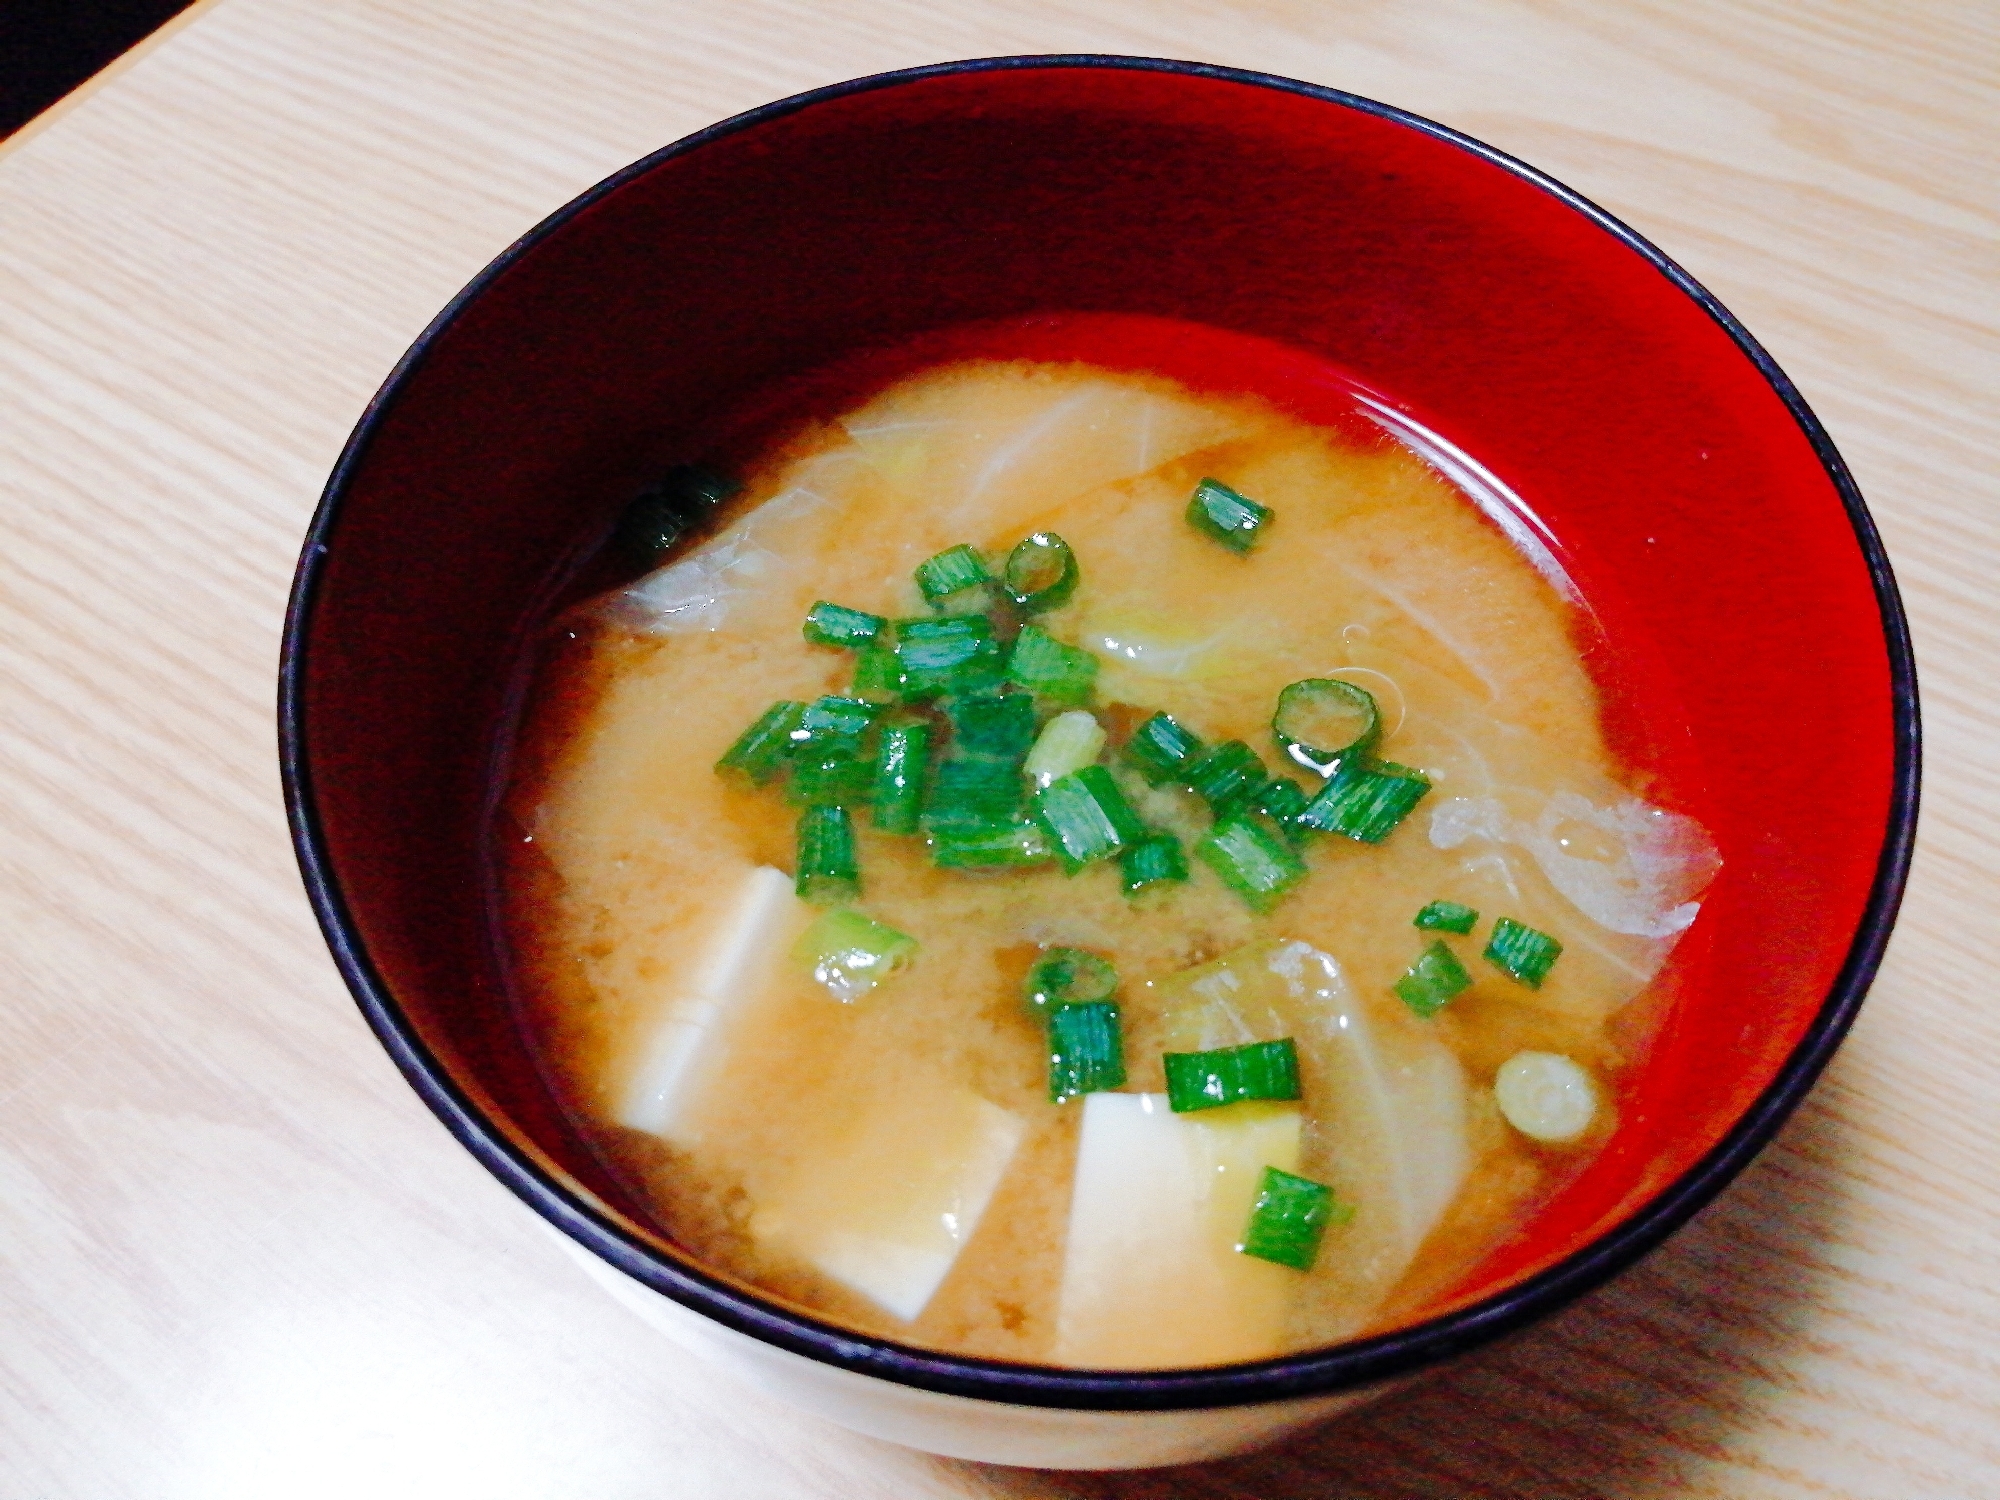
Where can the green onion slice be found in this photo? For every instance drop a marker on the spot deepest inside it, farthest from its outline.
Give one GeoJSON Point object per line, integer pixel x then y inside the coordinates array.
{"type": "Point", "coordinates": [1222, 515]}
{"type": "Point", "coordinates": [878, 675]}
{"type": "Point", "coordinates": [763, 750]}
{"type": "Point", "coordinates": [831, 778]}
{"type": "Point", "coordinates": [1157, 859]}
{"type": "Point", "coordinates": [1282, 800]}
{"type": "Point", "coordinates": [951, 571]}
{"type": "Point", "coordinates": [1087, 816]}
{"type": "Point", "coordinates": [1523, 952]}
{"type": "Point", "coordinates": [829, 624]}
{"type": "Point", "coordinates": [696, 488]}
{"type": "Point", "coordinates": [1160, 749]}
{"type": "Point", "coordinates": [932, 652]}
{"type": "Point", "coordinates": [1068, 742]}
{"type": "Point", "coordinates": [1290, 1218]}
{"type": "Point", "coordinates": [850, 954]}
{"type": "Point", "coordinates": [901, 757]}
{"type": "Point", "coordinates": [1010, 844]}
{"type": "Point", "coordinates": [1229, 1075]}
{"type": "Point", "coordinates": [1041, 573]}
{"type": "Point", "coordinates": [832, 763]}
{"type": "Point", "coordinates": [1322, 721]}
{"type": "Point", "coordinates": [1000, 725]}
{"type": "Point", "coordinates": [665, 510]}
{"type": "Point", "coordinates": [826, 865]}
{"type": "Point", "coordinates": [1067, 976]}
{"type": "Point", "coordinates": [834, 723]}
{"type": "Point", "coordinates": [985, 672]}
{"type": "Point", "coordinates": [1432, 981]}
{"type": "Point", "coordinates": [973, 791]}
{"type": "Point", "coordinates": [1227, 775]}
{"type": "Point", "coordinates": [1086, 1050]}
{"type": "Point", "coordinates": [1253, 859]}
{"type": "Point", "coordinates": [1366, 803]}
{"type": "Point", "coordinates": [1446, 916]}
{"type": "Point", "coordinates": [1045, 666]}
{"type": "Point", "coordinates": [648, 528]}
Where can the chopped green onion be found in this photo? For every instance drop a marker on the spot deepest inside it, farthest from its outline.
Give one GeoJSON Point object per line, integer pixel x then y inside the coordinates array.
{"type": "Point", "coordinates": [1067, 976]}
{"type": "Point", "coordinates": [973, 791]}
{"type": "Point", "coordinates": [1546, 1096]}
{"type": "Point", "coordinates": [850, 954]}
{"type": "Point", "coordinates": [831, 763]}
{"type": "Point", "coordinates": [1432, 981]}
{"type": "Point", "coordinates": [1156, 859]}
{"type": "Point", "coordinates": [878, 674]}
{"type": "Point", "coordinates": [1087, 816]}
{"type": "Point", "coordinates": [1234, 520]}
{"type": "Point", "coordinates": [1446, 916]}
{"type": "Point", "coordinates": [834, 723]}
{"type": "Point", "coordinates": [1282, 800]}
{"type": "Point", "coordinates": [1014, 843]}
{"type": "Point", "coordinates": [831, 778]}
{"type": "Point", "coordinates": [1001, 725]}
{"type": "Point", "coordinates": [1160, 749]}
{"type": "Point", "coordinates": [661, 513]}
{"type": "Point", "coordinates": [1322, 721]}
{"type": "Point", "coordinates": [985, 672]}
{"type": "Point", "coordinates": [1086, 1050]}
{"type": "Point", "coordinates": [1041, 573]}
{"type": "Point", "coordinates": [1290, 1218]}
{"type": "Point", "coordinates": [1253, 859]}
{"type": "Point", "coordinates": [900, 761]}
{"type": "Point", "coordinates": [762, 751]}
{"type": "Point", "coordinates": [1366, 802]}
{"type": "Point", "coordinates": [951, 571]}
{"type": "Point", "coordinates": [696, 488]}
{"type": "Point", "coordinates": [1229, 1075]}
{"type": "Point", "coordinates": [1068, 742]}
{"type": "Point", "coordinates": [648, 529]}
{"type": "Point", "coordinates": [1523, 952]}
{"type": "Point", "coordinates": [1226, 775]}
{"type": "Point", "coordinates": [830, 624]}
{"type": "Point", "coordinates": [1044, 665]}
{"type": "Point", "coordinates": [931, 652]}
{"type": "Point", "coordinates": [826, 866]}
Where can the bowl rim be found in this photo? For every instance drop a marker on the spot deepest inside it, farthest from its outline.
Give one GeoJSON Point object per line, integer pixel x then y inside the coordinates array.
{"type": "Point", "coordinates": [1305, 1374]}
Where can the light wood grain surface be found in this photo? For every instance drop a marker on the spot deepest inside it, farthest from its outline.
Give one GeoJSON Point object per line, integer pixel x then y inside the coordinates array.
{"type": "Point", "coordinates": [238, 1258]}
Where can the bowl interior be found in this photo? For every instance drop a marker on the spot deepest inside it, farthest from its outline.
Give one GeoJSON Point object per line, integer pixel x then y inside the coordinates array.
{"type": "Point", "coordinates": [1677, 486]}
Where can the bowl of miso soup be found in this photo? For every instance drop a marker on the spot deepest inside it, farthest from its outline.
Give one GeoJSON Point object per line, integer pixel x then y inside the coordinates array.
{"type": "Point", "coordinates": [1081, 757]}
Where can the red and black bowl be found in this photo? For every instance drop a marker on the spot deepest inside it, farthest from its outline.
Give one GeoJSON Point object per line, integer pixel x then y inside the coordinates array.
{"type": "Point", "coordinates": [1653, 444]}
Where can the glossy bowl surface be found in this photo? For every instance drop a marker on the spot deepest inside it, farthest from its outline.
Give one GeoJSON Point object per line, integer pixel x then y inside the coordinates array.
{"type": "Point", "coordinates": [1648, 440]}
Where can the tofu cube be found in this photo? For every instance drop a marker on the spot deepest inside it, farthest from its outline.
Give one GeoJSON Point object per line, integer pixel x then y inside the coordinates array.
{"type": "Point", "coordinates": [678, 1054]}
{"type": "Point", "coordinates": [892, 1197]}
{"type": "Point", "coordinates": [1152, 1277]}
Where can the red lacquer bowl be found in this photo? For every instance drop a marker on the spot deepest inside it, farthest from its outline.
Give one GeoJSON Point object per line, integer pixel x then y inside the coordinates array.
{"type": "Point", "coordinates": [1649, 440]}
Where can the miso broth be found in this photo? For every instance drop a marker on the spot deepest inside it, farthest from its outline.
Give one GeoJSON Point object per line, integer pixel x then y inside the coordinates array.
{"type": "Point", "coordinates": [888, 1155]}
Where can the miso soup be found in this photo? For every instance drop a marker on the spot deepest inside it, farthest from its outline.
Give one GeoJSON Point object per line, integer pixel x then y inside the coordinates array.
{"type": "Point", "coordinates": [1065, 868]}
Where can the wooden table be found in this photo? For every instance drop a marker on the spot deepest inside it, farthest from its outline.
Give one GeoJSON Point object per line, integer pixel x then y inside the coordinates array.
{"type": "Point", "coordinates": [238, 1258]}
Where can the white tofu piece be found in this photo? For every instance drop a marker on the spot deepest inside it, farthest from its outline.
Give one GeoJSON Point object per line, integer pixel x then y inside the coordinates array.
{"type": "Point", "coordinates": [678, 1054]}
{"type": "Point", "coordinates": [1152, 1277]}
{"type": "Point", "coordinates": [890, 1199]}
